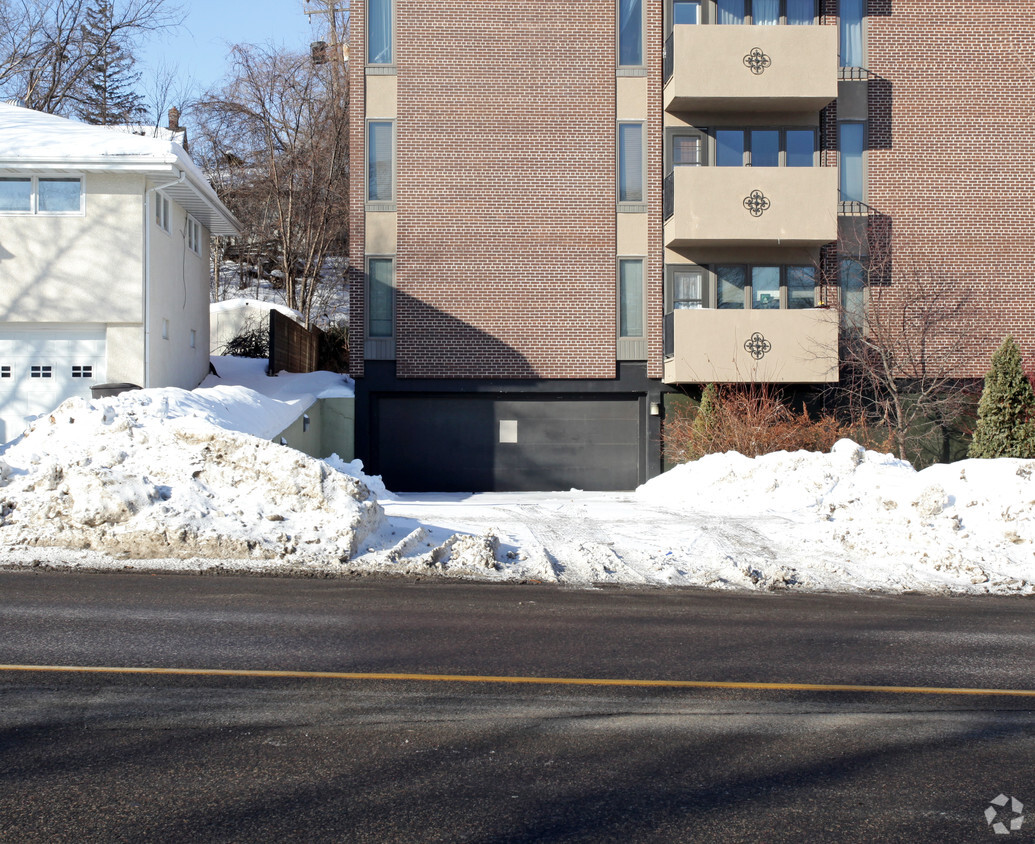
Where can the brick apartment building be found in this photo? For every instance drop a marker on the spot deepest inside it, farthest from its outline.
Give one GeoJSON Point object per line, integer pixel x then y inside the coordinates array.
{"type": "Point", "coordinates": [564, 210]}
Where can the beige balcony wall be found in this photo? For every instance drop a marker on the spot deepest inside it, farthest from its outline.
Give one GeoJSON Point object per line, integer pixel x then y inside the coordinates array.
{"type": "Point", "coordinates": [799, 347]}
{"type": "Point", "coordinates": [710, 74]}
{"type": "Point", "coordinates": [710, 211]}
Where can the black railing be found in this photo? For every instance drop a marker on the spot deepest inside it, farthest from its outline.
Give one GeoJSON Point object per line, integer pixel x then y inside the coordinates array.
{"type": "Point", "coordinates": [670, 62]}
{"type": "Point", "coordinates": [853, 74]}
{"type": "Point", "coordinates": [669, 330]}
{"type": "Point", "coordinates": [668, 196]}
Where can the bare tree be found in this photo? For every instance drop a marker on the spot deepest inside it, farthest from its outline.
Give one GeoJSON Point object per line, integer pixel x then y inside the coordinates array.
{"type": "Point", "coordinates": [275, 140]}
{"type": "Point", "coordinates": [46, 52]}
{"type": "Point", "coordinates": [910, 334]}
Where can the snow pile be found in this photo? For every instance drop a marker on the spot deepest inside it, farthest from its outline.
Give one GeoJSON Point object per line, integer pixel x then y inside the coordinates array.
{"type": "Point", "coordinates": [150, 474]}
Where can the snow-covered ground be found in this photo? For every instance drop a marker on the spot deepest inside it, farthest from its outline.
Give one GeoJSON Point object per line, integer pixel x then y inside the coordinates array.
{"type": "Point", "coordinates": [169, 479]}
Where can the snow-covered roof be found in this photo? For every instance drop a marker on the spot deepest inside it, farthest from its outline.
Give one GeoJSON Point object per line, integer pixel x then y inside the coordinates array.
{"type": "Point", "coordinates": [37, 141]}
{"type": "Point", "coordinates": [147, 131]}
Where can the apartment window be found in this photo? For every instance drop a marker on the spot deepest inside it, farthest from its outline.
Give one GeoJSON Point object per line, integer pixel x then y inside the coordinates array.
{"type": "Point", "coordinates": [766, 12]}
{"type": "Point", "coordinates": [162, 214]}
{"type": "Point", "coordinates": [765, 287]}
{"type": "Point", "coordinates": [686, 150]}
{"type": "Point", "coordinates": [630, 298]}
{"type": "Point", "coordinates": [850, 19]}
{"type": "Point", "coordinates": [194, 235]}
{"type": "Point", "coordinates": [41, 195]}
{"type": "Point", "coordinates": [630, 33]}
{"type": "Point", "coordinates": [380, 161]}
{"type": "Point", "coordinates": [380, 298]}
{"type": "Point", "coordinates": [41, 372]}
{"type": "Point", "coordinates": [853, 302]}
{"type": "Point", "coordinates": [851, 142]}
{"type": "Point", "coordinates": [686, 11]}
{"type": "Point", "coordinates": [765, 147]}
{"type": "Point", "coordinates": [631, 163]}
{"type": "Point", "coordinates": [686, 290]}
{"type": "Point", "coordinates": [380, 25]}
{"type": "Point", "coordinates": [82, 372]}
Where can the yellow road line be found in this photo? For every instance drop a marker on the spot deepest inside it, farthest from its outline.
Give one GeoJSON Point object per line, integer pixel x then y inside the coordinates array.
{"type": "Point", "coordinates": [538, 681]}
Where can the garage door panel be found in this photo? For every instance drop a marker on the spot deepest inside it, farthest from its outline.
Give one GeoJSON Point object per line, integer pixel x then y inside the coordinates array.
{"type": "Point", "coordinates": [457, 443]}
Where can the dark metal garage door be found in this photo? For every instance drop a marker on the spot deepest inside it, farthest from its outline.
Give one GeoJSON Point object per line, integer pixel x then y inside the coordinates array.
{"type": "Point", "coordinates": [481, 443]}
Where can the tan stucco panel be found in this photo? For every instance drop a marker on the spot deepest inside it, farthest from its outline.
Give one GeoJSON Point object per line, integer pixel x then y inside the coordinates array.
{"type": "Point", "coordinates": [382, 97]}
{"type": "Point", "coordinates": [632, 98]}
{"type": "Point", "coordinates": [632, 234]}
{"type": "Point", "coordinates": [382, 230]}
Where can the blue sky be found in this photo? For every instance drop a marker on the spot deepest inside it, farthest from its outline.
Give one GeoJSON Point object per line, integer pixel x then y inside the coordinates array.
{"type": "Point", "coordinates": [199, 48]}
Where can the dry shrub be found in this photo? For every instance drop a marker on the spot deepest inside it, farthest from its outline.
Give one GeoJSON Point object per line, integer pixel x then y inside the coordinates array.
{"type": "Point", "coordinates": [753, 420]}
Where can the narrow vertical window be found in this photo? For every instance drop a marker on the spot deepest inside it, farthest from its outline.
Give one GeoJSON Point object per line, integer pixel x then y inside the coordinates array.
{"type": "Point", "coordinates": [731, 11]}
{"type": "Point", "coordinates": [630, 33]}
{"type": "Point", "coordinates": [765, 148]}
{"type": "Point", "coordinates": [850, 17]}
{"type": "Point", "coordinates": [729, 147]}
{"type": "Point", "coordinates": [630, 297]}
{"type": "Point", "coordinates": [853, 302]}
{"type": "Point", "coordinates": [730, 287]}
{"type": "Point", "coordinates": [765, 288]}
{"type": "Point", "coordinates": [801, 147]}
{"type": "Point", "coordinates": [379, 32]}
{"type": "Point", "coordinates": [851, 138]}
{"type": "Point", "coordinates": [630, 162]}
{"type": "Point", "coordinates": [380, 298]}
{"type": "Point", "coordinates": [379, 161]}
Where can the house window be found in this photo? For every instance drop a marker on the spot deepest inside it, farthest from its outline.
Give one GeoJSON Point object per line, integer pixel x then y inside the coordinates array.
{"type": "Point", "coordinates": [686, 11]}
{"type": "Point", "coordinates": [630, 33]}
{"type": "Point", "coordinates": [851, 142]}
{"type": "Point", "coordinates": [82, 372]}
{"type": "Point", "coordinates": [853, 292]}
{"type": "Point", "coordinates": [41, 372]}
{"type": "Point", "coordinates": [381, 298]}
{"type": "Point", "coordinates": [850, 19]}
{"type": "Point", "coordinates": [630, 298]}
{"type": "Point", "coordinates": [165, 329]}
{"type": "Point", "coordinates": [5, 372]}
{"type": "Point", "coordinates": [765, 287]}
{"type": "Point", "coordinates": [193, 235]}
{"type": "Point", "coordinates": [765, 147]}
{"type": "Point", "coordinates": [380, 161]}
{"type": "Point", "coordinates": [193, 339]}
{"type": "Point", "coordinates": [380, 26]}
{"type": "Point", "coordinates": [41, 195]}
{"type": "Point", "coordinates": [162, 212]}
{"type": "Point", "coordinates": [631, 163]}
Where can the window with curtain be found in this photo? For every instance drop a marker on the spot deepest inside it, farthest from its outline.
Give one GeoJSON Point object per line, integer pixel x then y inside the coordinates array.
{"type": "Point", "coordinates": [379, 32]}
{"type": "Point", "coordinates": [630, 162]}
{"type": "Point", "coordinates": [687, 290]}
{"type": "Point", "coordinates": [851, 141]}
{"type": "Point", "coordinates": [686, 150]}
{"type": "Point", "coordinates": [731, 284]}
{"type": "Point", "coordinates": [630, 297]}
{"type": "Point", "coordinates": [765, 12]}
{"type": "Point", "coordinates": [801, 12]}
{"type": "Point", "coordinates": [686, 11]}
{"type": "Point", "coordinates": [850, 17]}
{"type": "Point", "coordinates": [630, 33]}
{"type": "Point", "coordinates": [379, 161]}
{"type": "Point", "coordinates": [731, 11]}
{"type": "Point", "coordinates": [380, 298]}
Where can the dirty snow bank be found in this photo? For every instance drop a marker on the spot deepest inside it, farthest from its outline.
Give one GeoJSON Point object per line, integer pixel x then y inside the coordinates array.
{"type": "Point", "coordinates": [152, 473]}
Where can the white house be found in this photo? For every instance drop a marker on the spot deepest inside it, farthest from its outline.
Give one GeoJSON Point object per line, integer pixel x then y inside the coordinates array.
{"type": "Point", "coordinates": [104, 275]}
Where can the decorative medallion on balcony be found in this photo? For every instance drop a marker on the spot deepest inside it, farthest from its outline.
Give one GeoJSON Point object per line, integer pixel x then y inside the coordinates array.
{"type": "Point", "coordinates": [757, 346]}
{"type": "Point", "coordinates": [757, 61]}
{"type": "Point", "coordinates": [757, 203]}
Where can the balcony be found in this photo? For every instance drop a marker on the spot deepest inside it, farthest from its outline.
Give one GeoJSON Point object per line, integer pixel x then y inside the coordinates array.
{"type": "Point", "coordinates": [739, 347]}
{"type": "Point", "coordinates": [751, 68]}
{"type": "Point", "coordinates": [751, 206]}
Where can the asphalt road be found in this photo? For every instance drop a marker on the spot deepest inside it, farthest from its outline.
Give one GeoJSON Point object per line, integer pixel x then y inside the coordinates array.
{"type": "Point", "coordinates": [124, 757]}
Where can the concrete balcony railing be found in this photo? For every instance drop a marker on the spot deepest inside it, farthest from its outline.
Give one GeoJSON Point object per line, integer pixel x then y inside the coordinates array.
{"type": "Point", "coordinates": [751, 68]}
{"type": "Point", "coordinates": [738, 347]}
{"type": "Point", "coordinates": [751, 206]}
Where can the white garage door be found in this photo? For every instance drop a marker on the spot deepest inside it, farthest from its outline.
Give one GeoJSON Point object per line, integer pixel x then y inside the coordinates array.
{"type": "Point", "coordinates": [40, 369]}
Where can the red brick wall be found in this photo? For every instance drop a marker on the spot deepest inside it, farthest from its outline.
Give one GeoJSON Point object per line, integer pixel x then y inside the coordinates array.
{"type": "Point", "coordinates": [357, 186]}
{"type": "Point", "coordinates": [952, 157]}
